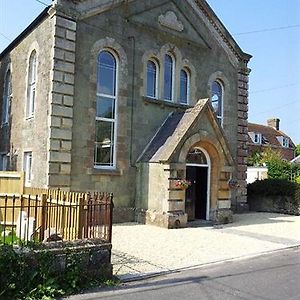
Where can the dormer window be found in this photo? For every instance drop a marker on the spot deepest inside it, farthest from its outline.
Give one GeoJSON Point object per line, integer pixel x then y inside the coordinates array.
{"type": "Point", "coordinates": [285, 142]}
{"type": "Point", "coordinates": [257, 138]}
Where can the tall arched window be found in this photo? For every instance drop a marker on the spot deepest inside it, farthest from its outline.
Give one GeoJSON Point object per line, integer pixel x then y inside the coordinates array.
{"type": "Point", "coordinates": [106, 104]}
{"type": "Point", "coordinates": [152, 79]}
{"type": "Point", "coordinates": [31, 88]}
{"type": "Point", "coordinates": [6, 98]}
{"type": "Point", "coordinates": [184, 86]}
{"type": "Point", "coordinates": [168, 77]}
{"type": "Point", "coordinates": [217, 100]}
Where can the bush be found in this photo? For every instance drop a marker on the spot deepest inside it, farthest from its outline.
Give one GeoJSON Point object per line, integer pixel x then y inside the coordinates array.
{"type": "Point", "coordinates": [274, 195]}
{"type": "Point", "coordinates": [27, 276]}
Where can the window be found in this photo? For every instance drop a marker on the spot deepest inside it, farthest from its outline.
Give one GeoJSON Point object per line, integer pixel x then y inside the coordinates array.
{"type": "Point", "coordinates": [257, 138]}
{"type": "Point", "coordinates": [168, 78]}
{"type": "Point", "coordinates": [184, 87]}
{"type": "Point", "coordinates": [217, 100]}
{"type": "Point", "coordinates": [31, 87]}
{"type": "Point", "coordinates": [152, 79]}
{"type": "Point", "coordinates": [3, 162]}
{"type": "Point", "coordinates": [285, 142]}
{"type": "Point", "coordinates": [27, 167]}
{"type": "Point", "coordinates": [106, 105]}
{"type": "Point", "coordinates": [6, 98]}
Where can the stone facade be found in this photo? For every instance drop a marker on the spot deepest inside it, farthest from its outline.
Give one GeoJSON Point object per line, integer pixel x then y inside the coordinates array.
{"type": "Point", "coordinates": [134, 32]}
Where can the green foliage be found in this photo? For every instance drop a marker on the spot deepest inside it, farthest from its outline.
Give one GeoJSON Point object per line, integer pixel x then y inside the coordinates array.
{"type": "Point", "coordinates": [31, 277]}
{"type": "Point", "coordinates": [273, 187]}
{"type": "Point", "coordinates": [298, 150]}
{"type": "Point", "coordinates": [283, 194]}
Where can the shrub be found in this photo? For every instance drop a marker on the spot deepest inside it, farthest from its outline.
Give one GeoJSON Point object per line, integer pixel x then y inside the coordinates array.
{"type": "Point", "coordinates": [27, 276]}
{"type": "Point", "coordinates": [283, 195]}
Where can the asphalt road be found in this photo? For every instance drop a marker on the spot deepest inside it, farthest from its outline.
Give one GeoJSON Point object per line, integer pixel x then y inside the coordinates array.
{"type": "Point", "coordinates": [272, 276]}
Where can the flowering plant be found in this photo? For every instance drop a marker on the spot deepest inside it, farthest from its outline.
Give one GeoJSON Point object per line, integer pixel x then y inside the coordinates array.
{"type": "Point", "coordinates": [233, 184]}
{"type": "Point", "coordinates": [182, 183]}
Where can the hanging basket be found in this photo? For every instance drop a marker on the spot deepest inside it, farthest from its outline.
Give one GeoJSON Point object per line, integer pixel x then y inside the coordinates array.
{"type": "Point", "coordinates": [233, 184]}
{"type": "Point", "coordinates": [182, 184]}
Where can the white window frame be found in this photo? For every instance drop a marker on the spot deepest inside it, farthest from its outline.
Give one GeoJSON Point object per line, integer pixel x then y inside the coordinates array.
{"type": "Point", "coordinates": [221, 117]}
{"type": "Point", "coordinates": [257, 138]}
{"type": "Point", "coordinates": [285, 142]}
{"type": "Point", "coordinates": [31, 85]}
{"type": "Point", "coordinates": [173, 77]}
{"type": "Point", "coordinates": [112, 120]}
{"type": "Point", "coordinates": [7, 94]}
{"type": "Point", "coordinates": [188, 73]}
{"type": "Point", "coordinates": [27, 167]}
{"type": "Point", "coordinates": [156, 78]}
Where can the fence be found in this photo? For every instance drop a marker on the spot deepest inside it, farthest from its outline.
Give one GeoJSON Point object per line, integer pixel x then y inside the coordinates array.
{"type": "Point", "coordinates": [55, 215]}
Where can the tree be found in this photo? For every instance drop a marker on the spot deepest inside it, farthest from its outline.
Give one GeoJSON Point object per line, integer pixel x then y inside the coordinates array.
{"type": "Point", "coordinates": [298, 150]}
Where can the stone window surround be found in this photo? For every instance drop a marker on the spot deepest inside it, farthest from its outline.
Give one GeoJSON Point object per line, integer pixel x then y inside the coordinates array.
{"type": "Point", "coordinates": [223, 81]}
{"type": "Point", "coordinates": [34, 47]}
{"type": "Point", "coordinates": [9, 97]}
{"type": "Point", "coordinates": [180, 63]}
{"type": "Point", "coordinates": [111, 45]}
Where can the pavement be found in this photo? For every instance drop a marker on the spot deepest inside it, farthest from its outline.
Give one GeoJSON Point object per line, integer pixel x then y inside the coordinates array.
{"type": "Point", "coordinates": [141, 251]}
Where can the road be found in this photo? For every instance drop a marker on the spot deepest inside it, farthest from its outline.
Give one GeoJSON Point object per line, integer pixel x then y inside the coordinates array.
{"type": "Point", "coordinates": [271, 276]}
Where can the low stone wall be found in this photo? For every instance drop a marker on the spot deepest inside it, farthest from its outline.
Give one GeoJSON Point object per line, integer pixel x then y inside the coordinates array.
{"type": "Point", "coordinates": [274, 204]}
{"type": "Point", "coordinates": [93, 256]}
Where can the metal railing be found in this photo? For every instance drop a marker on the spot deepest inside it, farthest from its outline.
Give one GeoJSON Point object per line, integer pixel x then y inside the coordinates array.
{"type": "Point", "coordinates": [54, 216]}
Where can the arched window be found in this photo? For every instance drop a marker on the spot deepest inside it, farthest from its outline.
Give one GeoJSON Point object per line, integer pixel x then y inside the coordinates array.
{"type": "Point", "coordinates": [31, 87]}
{"type": "Point", "coordinates": [106, 103]}
{"type": "Point", "coordinates": [6, 98]}
{"type": "Point", "coordinates": [152, 79]}
{"type": "Point", "coordinates": [217, 100]}
{"type": "Point", "coordinates": [168, 78]}
{"type": "Point", "coordinates": [184, 86]}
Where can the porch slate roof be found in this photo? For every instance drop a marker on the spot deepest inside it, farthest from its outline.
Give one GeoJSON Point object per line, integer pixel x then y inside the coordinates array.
{"type": "Point", "coordinates": [171, 132]}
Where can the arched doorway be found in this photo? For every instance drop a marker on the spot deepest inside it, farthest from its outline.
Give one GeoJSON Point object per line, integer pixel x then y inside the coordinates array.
{"type": "Point", "coordinates": [197, 200]}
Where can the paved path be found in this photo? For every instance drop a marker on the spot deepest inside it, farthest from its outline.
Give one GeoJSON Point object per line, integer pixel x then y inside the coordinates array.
{"type": "Point", "coordinates": [144, 250]}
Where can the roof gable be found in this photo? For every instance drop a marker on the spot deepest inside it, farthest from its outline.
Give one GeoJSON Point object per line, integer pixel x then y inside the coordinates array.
{"type": "Point", "coordinates": [177, 128]}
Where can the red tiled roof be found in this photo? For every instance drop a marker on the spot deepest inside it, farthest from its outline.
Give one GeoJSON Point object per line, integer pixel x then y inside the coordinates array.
{"type": "Point", "coordinates": [269, 135]}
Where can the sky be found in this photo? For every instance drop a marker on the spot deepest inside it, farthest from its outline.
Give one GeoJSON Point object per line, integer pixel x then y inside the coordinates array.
{"type": "Point", "coordinates": [267, 29]}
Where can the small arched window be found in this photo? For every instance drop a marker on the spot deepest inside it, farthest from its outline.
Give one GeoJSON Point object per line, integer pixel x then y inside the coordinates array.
{"type": "Point", "coordinates": [184, 86]}
{"type": "Point", "coordinates": [217, 100]}
{"type": "Point", "coordinates": [31, 87]}
{"type": "Point", "coordinates": [6, 98]}
{"type": "Point", "coordinates": [106, 103]}
{"type": "Point", "coordinates": [168, 78]}
{"type": "Point", "coordinates": [196, 156]}
{"type": "Point", "coordinates": [152, 79]}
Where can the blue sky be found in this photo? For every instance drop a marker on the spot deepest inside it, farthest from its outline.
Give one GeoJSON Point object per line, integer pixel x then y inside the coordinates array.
{"type": "Point", "coordinates": [275, 76]}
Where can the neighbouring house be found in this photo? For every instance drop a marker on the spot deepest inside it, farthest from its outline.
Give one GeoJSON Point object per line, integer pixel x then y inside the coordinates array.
{"type": "Point", "coordinates": [270, 136]}
{"type": "Point", "coordinates": [132, 97]}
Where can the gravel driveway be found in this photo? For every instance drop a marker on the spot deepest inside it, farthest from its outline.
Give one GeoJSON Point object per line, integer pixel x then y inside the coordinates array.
{"type": "Point", "coordinates": [143, 250]}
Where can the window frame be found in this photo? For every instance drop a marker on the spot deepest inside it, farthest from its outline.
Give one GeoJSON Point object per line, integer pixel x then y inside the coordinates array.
{"type": "Point", "coordinates": [219, 117]}
{"type": "Point", "coordinates": [6, 98]}
{"type": "Point", "coordinates": [27, 167]}
{"type": "Point", "coordinates": [114, 120]}
{"type": "Point", "coordinates": [31, 85]}
{"type": "Point", "coordinates": [285, 142]}
{"type": "Point", "coordinates": [4, 161]}
{"type": "Point", "coordinates": [156, 92]}
{"type": "Point", "coordinates": [188, 86]}
{"type": "Point", "coordinates": [173, 77]}
{"type": "Point", "coordinates": [257, 138]}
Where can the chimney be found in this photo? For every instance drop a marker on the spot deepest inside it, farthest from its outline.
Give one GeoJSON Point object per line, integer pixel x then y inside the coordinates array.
{"type": "Point", "coordinates": [274, 123]}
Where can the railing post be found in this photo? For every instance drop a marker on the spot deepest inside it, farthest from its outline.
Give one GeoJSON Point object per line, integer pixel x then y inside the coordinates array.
{"type": "Point", "coordinates": [81, 218]}
{"type": "Point", "coordinates": [111, 207]}
{"type": "Point", "coordinates": [43, 217]}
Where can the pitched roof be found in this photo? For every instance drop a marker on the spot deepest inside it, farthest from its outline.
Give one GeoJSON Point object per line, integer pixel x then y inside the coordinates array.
{"type": "Point", "coordinates": [176, 127]}
{"type": "Point", "coordinates": [269, 135]}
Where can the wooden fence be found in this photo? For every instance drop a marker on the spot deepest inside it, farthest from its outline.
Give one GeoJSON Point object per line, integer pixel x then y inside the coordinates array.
{"type": "Point", "coordinates": [30, 214]}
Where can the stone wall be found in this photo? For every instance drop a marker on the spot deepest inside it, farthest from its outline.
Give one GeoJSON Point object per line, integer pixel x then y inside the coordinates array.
{"type": "Point", "coordinates": [93, 257]}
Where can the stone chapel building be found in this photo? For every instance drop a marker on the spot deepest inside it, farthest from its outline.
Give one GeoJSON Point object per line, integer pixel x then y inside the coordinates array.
{"type": "Point", "coordinates": [130, 97]}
